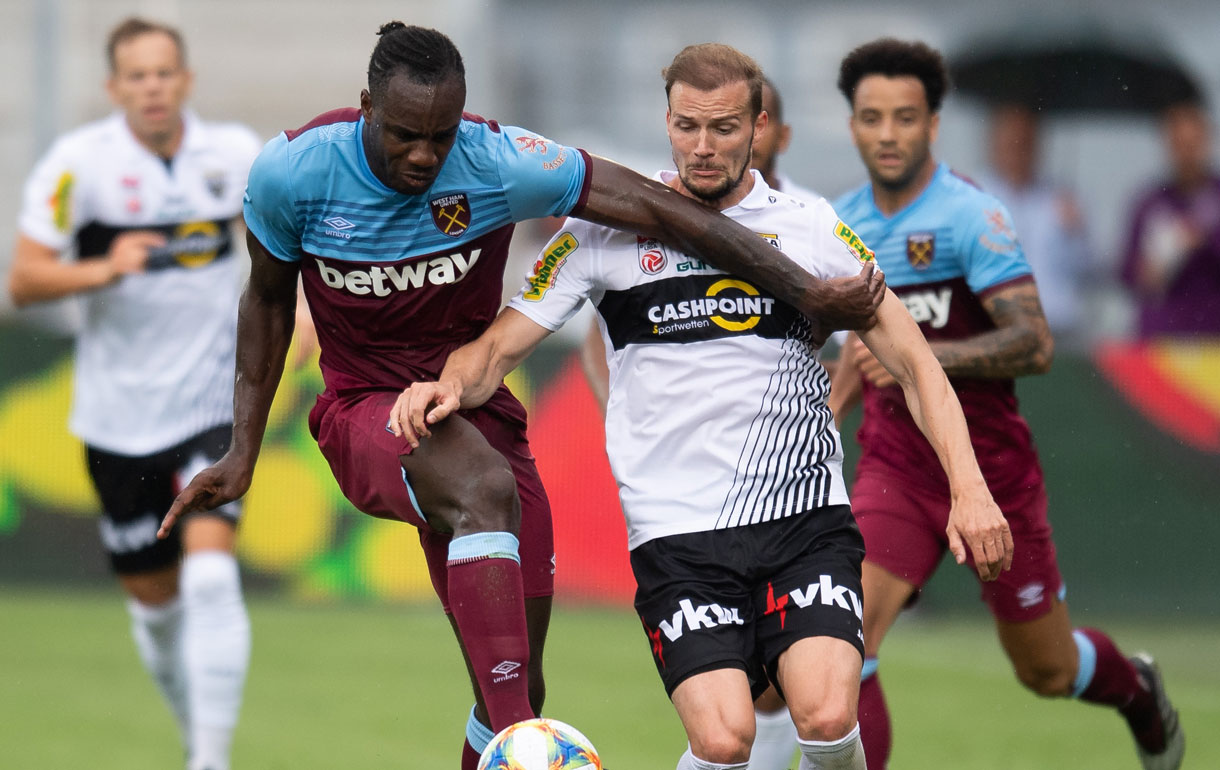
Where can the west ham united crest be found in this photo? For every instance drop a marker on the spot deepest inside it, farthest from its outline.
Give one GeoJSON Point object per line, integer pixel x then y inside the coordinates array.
{"type": "Point", "coordinates": [451, 213]}
{"type": "Point", "coordinates": [921, 248]}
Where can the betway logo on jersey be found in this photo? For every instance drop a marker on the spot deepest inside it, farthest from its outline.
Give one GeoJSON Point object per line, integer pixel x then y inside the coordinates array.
{"type": "Point", "coordinates": [930, 306]}
{"type": "Point", "coordinates": [382, 281]}
{"type": "Point", "coordinates": [692, 618]}
{"type": "Point", "coordinates": [747, 307]}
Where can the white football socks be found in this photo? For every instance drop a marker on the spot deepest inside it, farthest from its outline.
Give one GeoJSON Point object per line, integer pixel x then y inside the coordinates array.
{"type": "Point", "coordinates": [689, 761]}
{"type": "Point", "coordinates": [847, 753]}
{"type": "Point", "coordinates": [216, 645]}
{"type": "Point", "coordinates": [157, 630]}
{"type": "Point", "coordinates": [774, 740]}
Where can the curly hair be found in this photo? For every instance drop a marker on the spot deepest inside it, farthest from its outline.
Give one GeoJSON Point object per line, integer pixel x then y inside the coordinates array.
{"type": "Point", "coordinates": [896, 58]}
{"type": "Point", "coordinates": [425, 55]}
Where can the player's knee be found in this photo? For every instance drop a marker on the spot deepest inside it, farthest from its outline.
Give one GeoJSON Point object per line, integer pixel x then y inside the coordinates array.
{"type": "Point", "coordinates": [827, 722]}
{"type": "Point", "coordinates": [1046, 678]}
{"type": "Point", "coordinates": [724, 744]}
{"type": "Point", "coordinates": [483, 498]}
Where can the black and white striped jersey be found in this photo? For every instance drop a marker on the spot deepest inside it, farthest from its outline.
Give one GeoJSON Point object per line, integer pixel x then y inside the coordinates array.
{"type": "Point", "coordinates": [155, 354]}
{"type": "Point", "coordinates": [717, 413]}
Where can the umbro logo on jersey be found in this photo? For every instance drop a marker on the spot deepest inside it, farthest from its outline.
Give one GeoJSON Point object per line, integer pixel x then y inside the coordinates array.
{"type": "Point", "coordinates": [505, 670]}
{"type": "Point", "coordinates": [930, 306]}
{"type": "Point", "coordinates": [692, 618]}
{"type": "Point", "coordinates": [382, 281]}
{"type": "Point", "coordinates": [338, 227]}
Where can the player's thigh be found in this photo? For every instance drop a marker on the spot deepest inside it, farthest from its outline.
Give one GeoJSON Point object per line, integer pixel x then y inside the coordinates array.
{"type": "Point", "coordinates": [808, 582]}
{"type": "Point", "coordinates": [455, 482]}
{"type": "Point", "coordinates": [717, 713]}
{"type": "Point", "coordinates": [135, 492]}
{"type": "Point", "coordinates": [820, 677]}
{"type": "Point", "coordinates": [885, 596]}
{"type": "Point", "coordinates": [1033, 586]}
{"type": "Point", "coordinates": [903, 526]}
{"type": "Point", "coordinates": [696, 609]}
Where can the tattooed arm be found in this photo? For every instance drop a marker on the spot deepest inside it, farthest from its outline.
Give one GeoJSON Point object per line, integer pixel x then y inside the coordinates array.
{"type": "Point", "coordinates": [1020, 344]}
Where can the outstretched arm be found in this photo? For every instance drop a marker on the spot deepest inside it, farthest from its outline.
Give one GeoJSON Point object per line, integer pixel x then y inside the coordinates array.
{"type": "Point", "coordinates": [975, 522]}
{"type": "Point", "coordinates": [470, 377]}
{"type": "Point", "coordinates": [622, 199]}
{"type": "Point", "coordinates": [265, 319]}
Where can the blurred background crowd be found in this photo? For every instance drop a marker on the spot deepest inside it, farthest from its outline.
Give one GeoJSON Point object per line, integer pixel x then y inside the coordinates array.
{"type": "Point", "coordinates": [1093, 121]}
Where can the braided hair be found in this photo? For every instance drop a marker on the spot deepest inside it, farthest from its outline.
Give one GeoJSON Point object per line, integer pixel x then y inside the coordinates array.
{"type": "Point", "coordinates": [424, 55]}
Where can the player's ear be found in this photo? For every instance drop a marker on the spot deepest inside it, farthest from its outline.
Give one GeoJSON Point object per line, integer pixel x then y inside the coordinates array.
{"type": "Point", "coordinates": [785, 136]}
{"type": "Point", "coordinates": [933, 127]}
{"type": "Point", "coordinates": [760, 124]}
{"type": "Point", "coordinates": [366, 105]}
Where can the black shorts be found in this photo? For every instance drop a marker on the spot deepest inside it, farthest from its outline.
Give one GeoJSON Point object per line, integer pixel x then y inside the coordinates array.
{"type": "Point", "coordinates": [738, 597]}
{"type": "Point", "coordinates": [136, 493]}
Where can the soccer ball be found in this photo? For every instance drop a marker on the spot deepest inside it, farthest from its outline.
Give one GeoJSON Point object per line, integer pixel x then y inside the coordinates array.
{"type": "Point", "coordinates": [539, 744]}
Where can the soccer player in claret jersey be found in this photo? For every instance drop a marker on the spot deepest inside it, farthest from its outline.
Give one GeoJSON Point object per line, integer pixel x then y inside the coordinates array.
{"type": "Point", "coordinates": [950, 253]}
{"type": "Point", "coordinates": [396, 217]}
{"type": "Point", "coordinates": [145, 201]}
{"type": "Point", "coordinates": [743, 546]}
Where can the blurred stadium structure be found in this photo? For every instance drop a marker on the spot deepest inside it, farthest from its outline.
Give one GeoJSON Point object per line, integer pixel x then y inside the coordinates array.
{"type": "Point", "coordinates": [1132, 496]}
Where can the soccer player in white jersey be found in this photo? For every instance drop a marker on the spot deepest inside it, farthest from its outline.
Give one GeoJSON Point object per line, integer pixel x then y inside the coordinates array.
{"type": "Point", "coordinates": [745, 552]}
{"type": "Point", "coordinates": [144, 201]}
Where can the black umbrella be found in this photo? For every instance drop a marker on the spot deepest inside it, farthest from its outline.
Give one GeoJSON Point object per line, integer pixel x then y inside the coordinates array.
{"type": "Point", "coordinates": [1083, 75]}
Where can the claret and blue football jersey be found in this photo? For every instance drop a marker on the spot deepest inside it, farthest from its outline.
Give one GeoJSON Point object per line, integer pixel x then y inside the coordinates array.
{"type": "Point", "coordinates": [943, 255]}
{"type": "Point", "coordinates": [394, 281]}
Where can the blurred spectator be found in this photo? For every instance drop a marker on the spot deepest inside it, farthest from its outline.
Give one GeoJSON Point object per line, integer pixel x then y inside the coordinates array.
{"type": "Point", "coordinates": [1046, 215]}
{"type": "Point", "coordinates": [1172, 263]}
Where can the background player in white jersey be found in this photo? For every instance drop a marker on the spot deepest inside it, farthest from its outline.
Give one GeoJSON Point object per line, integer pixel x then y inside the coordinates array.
{"type": "Point", "coordinates": [743, 546]}
{"type": "Point", "coordinates": [952, 255]}
{"type": "Point", "coordinates": [145, 200]}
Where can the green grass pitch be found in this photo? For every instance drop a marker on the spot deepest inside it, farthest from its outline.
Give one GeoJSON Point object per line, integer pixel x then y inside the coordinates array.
{"type": "Point", "coordinates": [382, 686]}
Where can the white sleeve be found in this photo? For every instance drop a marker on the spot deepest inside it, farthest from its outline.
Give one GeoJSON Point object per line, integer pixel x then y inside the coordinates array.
{"type": "Point", "coordinates": [562, 277]}
{"type": "Point", "coordinates": [837, 250]}
{"type": "Point", "coordinates": [53, 203]}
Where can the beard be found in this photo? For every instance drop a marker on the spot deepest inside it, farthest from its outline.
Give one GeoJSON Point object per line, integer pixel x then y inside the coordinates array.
{"type": "Point", "coordinates": [713, 194]}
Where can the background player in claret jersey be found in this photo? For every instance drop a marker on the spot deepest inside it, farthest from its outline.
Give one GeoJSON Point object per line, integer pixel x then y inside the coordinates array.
{"type": "Point", "coordinates": [144, 200]}
{"type": "Point", "coordinates": [743, 546]}
{"type": "Point", "coordinates": [951, 254]}
{"type": "Point", "coordinates": [396, 217]}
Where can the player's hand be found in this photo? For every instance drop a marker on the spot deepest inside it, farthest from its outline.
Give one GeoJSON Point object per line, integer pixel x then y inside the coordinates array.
{"type": "Point", "coordinates": [976, 522]}
{"type": "Point", "coordinates": [421, 405]}
{"type": "Point", "coordinates": [211, 488]}
{"type": "Point", "coordinates": [850, 303]}
{"type": "Point", "coordinates": [129, 252]}
{"type": "Point", "coordinates": [872, 369]}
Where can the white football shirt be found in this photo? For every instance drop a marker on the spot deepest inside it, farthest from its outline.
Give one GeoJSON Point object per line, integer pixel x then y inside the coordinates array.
{"type": "Point", "coordinates": [155, 356]}
{"type": "Point", "coordinates": [717, 414]}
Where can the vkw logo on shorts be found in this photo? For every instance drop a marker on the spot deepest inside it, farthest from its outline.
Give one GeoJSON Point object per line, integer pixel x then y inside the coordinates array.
{"type": "Point", "coordinates": [451, 213]}
{"type": "Point", "coordinates": [652, 255]}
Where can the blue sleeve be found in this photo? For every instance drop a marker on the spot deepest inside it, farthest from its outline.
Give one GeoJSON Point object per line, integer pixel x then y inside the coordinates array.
{"type": "Point", "coordinates": [991, 253]}
{"type": "Point", "coordinates": [268, 205]}
{"type": "Point", "coordinates": [541, 178]}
